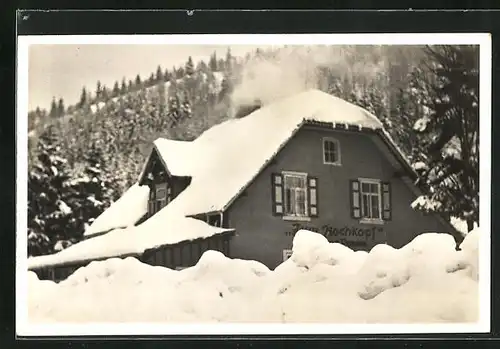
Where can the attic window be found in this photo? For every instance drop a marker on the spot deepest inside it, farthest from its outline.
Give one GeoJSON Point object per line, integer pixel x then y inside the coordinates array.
{"type": "Point", "coordinates": [331, 151]}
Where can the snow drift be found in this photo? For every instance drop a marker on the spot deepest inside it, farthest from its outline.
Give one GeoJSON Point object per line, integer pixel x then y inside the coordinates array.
{"type": "Point", "coordinates": [427, 281]}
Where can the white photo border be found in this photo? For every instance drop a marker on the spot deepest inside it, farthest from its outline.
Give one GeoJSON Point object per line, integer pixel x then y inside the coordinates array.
{"type": "Point", "coordinates": [24, 328]}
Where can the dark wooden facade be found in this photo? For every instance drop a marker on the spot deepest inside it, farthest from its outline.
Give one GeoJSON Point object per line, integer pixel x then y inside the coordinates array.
{"type": "Point", "coordinates": [188, 253]}
{"type": "Point", "coordinates": [178, 256]}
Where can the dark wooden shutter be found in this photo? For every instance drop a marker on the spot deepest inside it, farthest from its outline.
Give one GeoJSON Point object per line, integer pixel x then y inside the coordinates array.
{"type": "Point", "coordinates": [386, 201]}
{"type": "Point", "coordinates": [355, 199]}
{"type": "Point", "coordinates": [312, 185]}
{"type": "Point", "coordinates": [277, 193]}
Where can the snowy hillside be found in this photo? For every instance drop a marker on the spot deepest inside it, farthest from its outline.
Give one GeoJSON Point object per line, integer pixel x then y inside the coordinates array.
{"type": "Point", "coordinates": [425, 281]}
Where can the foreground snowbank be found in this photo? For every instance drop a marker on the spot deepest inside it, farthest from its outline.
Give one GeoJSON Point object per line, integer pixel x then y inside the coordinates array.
{"type": "Point", "coordinates": [425, 281]}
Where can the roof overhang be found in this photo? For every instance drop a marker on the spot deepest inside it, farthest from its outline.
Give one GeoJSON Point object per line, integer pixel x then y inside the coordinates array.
{"type": "Point", "coordinates": [83, 261]}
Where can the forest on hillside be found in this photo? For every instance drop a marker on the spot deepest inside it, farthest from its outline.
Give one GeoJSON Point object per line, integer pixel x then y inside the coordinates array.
{"type": "Point", "coordinates": [83, 156]}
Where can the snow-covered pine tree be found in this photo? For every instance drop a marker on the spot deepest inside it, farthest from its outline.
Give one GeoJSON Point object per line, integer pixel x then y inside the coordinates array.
{"type": "Point", "coordinates": [61, 109]}
{"type": "Point", "coordinates": [228, 64]}
{"type": "Point", "coordinates": [104, 94]}
{"type": "Point", "coordinates": [138, 81]}
{"type": "Point", "coordinates": [151, 80]}
{"type": "Point", "coordinates": [226, 88]}
{"type": "Point", "coordinates": [116, 90]}
{"type": "Point", "coordinates": [53, 108]}
{"type": "Point", "coordinates": [159, 74]}
{"type": "Point", "coordinates": [92, 192]}
{"type": "Point", "coordinates": [449, 130]}
{"type": "Point", "coordinates": [167, 75]}
{"type": "Point", "coordinates": [174, 112]}
{"type": "Point", "coordinates": [189, 68]}
{"type": "Point", "coordinates": [83, 98]}
{"type": "Point", "coordinates": [48, 212]}
{"type": "Point", "coordinates": [123, 88]}
{"type": "Point", "coordinates": [202, 67]}
{"type": "Point", "coordinates": [98, 91]}
{"type": "Point", "coordinates": [185, 110]}
{"type": "Point", "coordinates": [180, 72]}
{"type": "Point", "coordinates": [212, 63]}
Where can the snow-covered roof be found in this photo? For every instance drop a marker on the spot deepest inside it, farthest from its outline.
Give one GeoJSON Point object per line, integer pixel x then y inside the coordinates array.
{"type": "Point", "coordinates": [225, 158]}
{"type": "Point", "coordinates": [130, 241]}
{"type": "Point", "coordinates": [176, 154]}
{"type": "Point", "coordinates": [124, 212]}
{"type": "Point", "coordinates": [221, 162]}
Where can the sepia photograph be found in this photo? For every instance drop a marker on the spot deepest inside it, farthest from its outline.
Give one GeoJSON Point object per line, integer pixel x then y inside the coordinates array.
{"type": "Point", "coordinates": [229, 184]}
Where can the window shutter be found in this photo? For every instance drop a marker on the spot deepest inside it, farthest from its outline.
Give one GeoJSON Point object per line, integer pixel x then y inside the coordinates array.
{"type": "Point", "coordinates": [355, 199]}
{"type": "Point", "coordinates": [386, 201]}
{"type": "Point", "coordinates": [277, 193]}
{"type": "Point", "coordinates": [312, 184]}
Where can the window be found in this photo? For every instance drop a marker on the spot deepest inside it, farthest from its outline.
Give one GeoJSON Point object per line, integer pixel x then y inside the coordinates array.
{"type": "Point", "coordinates": [295, 195]}
{"type": "Point", "coordinates": [159, 197]}
{"type": "Point", "coordinates": [370, 200]}
{"type": "Point", "coordinates": [331, 151]}
{"type": "Point", "coordinates": [286, 254]}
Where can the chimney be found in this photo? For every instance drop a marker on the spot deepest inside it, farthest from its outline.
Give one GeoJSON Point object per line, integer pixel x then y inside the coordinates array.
{"type": "Point", "coordinates": [246, 109]}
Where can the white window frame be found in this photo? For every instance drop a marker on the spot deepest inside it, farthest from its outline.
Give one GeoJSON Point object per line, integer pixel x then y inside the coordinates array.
{"type": "Point", "coordinates": [287, 216]}
{"type": "Point", "coordinates": [337, 145]}
{"type": "Point", "coordinates": [287, 253]}
{"type": "Point", "coordinates": [362, 181]}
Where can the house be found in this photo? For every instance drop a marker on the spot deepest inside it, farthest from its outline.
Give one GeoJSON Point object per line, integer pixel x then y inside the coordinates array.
{"type": "Point", "coordinates": [308, 161]}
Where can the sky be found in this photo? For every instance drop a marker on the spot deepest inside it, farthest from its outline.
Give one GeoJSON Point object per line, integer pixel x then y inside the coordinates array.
{"type": "Point", "coordinates": [62, 70]}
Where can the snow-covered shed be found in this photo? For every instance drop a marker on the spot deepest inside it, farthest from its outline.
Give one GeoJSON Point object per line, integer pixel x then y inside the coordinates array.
{"type": "Point", "coordinates": [310, 160]}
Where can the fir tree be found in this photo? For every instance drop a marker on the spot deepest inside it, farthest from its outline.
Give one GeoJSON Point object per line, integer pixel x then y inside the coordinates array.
{"type": "Point", "coordinates": [226, 88]}
{"type": "Point", "coordinates": [449, 129]}
{"type": "Point", "coordinates": [93, 191]}
{"type": "Point", "coordinates": [189, 68]}
{"type": "Point", "coordinates": [60, 108]}
{"type": "Point", "coordinates": [159, 74]}
{"type": "Point", "coordinates": [138, 81]}
{"type": "Point", "coordinates": [180, 73]}
{"type": "Point", "coordinates": [116, 89]}
{"type": "Point", "coordinates": [229, 60]}
{"type": "Point", "coordinates": [53, 108]}
{"type": "Point", "coordinates": [221, 64]}
{"type": "Point", "coordinates": [186, 111]}
{"type": "Point", "coordinates": [123, 88]}
{"type": "Point", "coordinates": [98, 91]}
{"type": "Point", "coordinates": [48, 213]}
{"type": "Point", "coordinates": [83, 98]}
{"type": "Point", "coordinates": [212, 63]}
{"type": "Point", "coordinates": [151, 80]}
{"type": "Point", "coordinates": [174, 112]}
{"type": "Point", "coordinates": [130, 87]}
{"type": "Point", "coordinates": [202, 67]}
{"type": "Point", "coordinates": [105, 93]}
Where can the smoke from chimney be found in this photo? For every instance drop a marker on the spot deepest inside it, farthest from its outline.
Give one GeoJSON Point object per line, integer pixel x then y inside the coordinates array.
{"type": "Point", "coordinates": [291, 70]}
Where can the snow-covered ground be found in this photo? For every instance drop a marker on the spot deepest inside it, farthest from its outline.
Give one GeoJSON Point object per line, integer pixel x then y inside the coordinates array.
{"type": "Point", "coordinates": [427, 281]}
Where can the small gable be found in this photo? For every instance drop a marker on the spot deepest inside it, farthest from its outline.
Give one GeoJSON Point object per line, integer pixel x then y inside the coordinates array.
{"type": "Point", "coordinates": [163, 186]}
{"type": "Point", "coordinates": [155, 170]}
